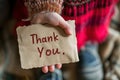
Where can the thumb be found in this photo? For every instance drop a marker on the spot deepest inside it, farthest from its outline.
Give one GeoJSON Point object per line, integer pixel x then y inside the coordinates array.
{"type": "Point", "coordinates": [56, 20]}
{"type": "Point", "coordinates": [63, 24]}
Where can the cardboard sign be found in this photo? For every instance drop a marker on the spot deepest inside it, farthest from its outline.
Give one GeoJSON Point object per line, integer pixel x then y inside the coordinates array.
{"type": "Point", "coordinates": [43, 45]}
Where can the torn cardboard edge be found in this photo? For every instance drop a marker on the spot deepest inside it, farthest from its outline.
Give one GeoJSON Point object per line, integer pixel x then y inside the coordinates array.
{"type": "Point", "coordinates": [44, 45]}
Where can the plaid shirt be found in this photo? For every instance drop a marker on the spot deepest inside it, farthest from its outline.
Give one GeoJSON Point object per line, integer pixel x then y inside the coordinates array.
{"type": "Point", "coordinates": [92, 17]}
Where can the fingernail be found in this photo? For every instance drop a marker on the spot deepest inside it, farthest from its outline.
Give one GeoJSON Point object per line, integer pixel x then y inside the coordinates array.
{"type": "Point", "coordinates": [45, 69]}
{"type": "Point", "coordinates": [68, 31]}
{"type": "Point", "coordinates": [51, 68]}
{"type": "Point", "coordinates": [59, 66]}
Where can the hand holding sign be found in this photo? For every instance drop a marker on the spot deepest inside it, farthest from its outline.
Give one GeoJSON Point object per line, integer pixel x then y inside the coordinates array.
{"type": "Point", "coordinates": [51, 18]}
{"type": "Point", "coordinates": [44, 45]}
{"type": "Point", "coordinates": [55, 20]}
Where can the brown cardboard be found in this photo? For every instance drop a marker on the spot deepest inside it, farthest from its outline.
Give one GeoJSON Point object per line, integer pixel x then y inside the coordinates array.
{"type": "Point", "coordinates": [43, 45]}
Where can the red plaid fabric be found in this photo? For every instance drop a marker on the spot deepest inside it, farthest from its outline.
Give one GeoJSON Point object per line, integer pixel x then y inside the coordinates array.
{"type": "Point", "coordinates": [92, 17]}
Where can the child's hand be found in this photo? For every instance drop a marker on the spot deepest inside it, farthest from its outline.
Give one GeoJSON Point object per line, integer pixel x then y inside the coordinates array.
{"type": "Point", "coordinates": [55, 20]}
{"type": "Point", "coordinates": [51, 18]}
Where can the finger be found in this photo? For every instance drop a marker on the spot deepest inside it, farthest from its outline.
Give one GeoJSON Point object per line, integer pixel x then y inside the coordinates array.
{"type": "Point", "coordinates": [51, 68]}
{"type": "Point", "coordinates": [56, 20]}
{"type": "Point", "coordinates": [59, 66]}
{"type": "Point", "coordinates": [45, 69]}
{"type": "Point", "coordinates": [63, 24]}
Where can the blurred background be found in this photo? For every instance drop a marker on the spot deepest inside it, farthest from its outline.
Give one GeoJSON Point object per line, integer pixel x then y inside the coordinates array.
{"type": "Point", "coordinates": [109, 50]}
